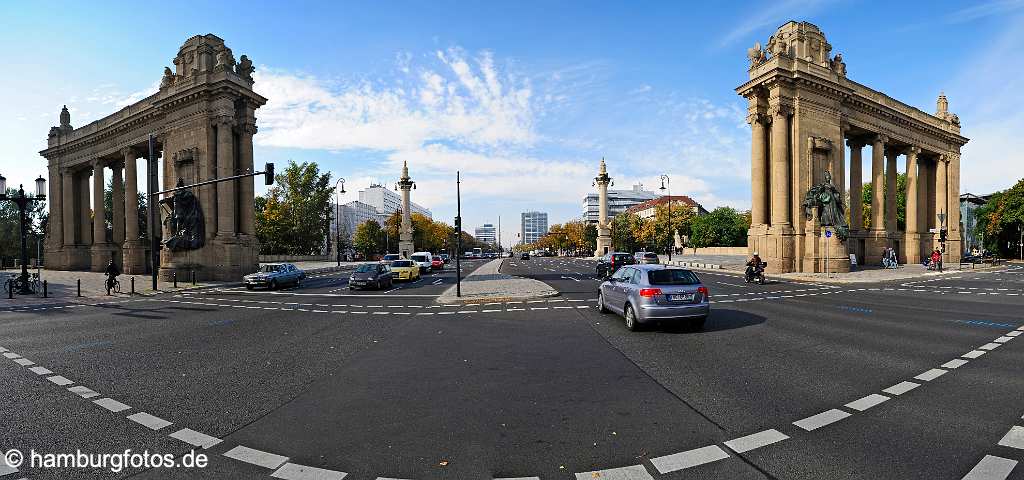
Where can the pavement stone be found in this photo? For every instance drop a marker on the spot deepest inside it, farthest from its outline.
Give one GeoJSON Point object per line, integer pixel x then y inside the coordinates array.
{"type": "Point", "coordinates": [487, 284]}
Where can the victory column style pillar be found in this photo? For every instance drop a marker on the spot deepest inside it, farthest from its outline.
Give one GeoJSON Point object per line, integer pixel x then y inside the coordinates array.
{"type": "Point", "coordinates": [604, 232]}
{"type": "Point", "coordinates": [405, 245]}
{"type": "Point", "coordinates": [759, 169]}
{"type": "Point", "coordinates": [912, 243]}
{"type": "Point", "coordinates": [781, 254]}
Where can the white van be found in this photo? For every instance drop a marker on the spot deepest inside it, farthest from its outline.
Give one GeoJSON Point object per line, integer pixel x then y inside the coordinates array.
{"type": "Point", "coordinates": [422, 259]}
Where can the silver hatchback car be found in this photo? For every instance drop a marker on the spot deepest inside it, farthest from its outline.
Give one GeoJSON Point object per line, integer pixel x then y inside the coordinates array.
{"type": "Point", "coordinates": [654, 293]}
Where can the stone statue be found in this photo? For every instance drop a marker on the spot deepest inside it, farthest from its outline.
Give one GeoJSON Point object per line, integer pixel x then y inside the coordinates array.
{"type": "Point", "coordinates": [826, 199]}
{"type": "Point", "coordinates": [838, 65]}
{"type": "Point", "coordinates": [778, 47]}
{"type": "Point", "coordinates": [168, 78]}
{"type": "Point", "coordinates": [225, 60]}
{"type": "Point", "coordinates": [184, 222]}
{"type": "Point", "coordinates": [756, 54]}
{"type": "Point", "coordinates": [245, 68]}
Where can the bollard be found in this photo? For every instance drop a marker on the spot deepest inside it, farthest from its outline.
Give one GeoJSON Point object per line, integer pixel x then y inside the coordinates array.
{"type": "Point", "coordinates": [10, 290]}
{"type": "Point", "coordinates": [44, 289]}
{"type": "Point", "coordinates": [175, 277]}
{"type": "Point", "coordinates": [193, 278]}
{"type": "Point", "coordinates": [79, 287]}
{"type": "Point", "coordinates": [133, 286]}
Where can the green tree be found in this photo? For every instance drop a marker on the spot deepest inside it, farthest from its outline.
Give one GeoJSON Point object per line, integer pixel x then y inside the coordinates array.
{"type": "Point", "coordinates": [108, 207]}
{"type": "Point", "coordinates": [10, 228]}
{"type": "Point", "coordinates": [722, 227]}
{"type": "Point", "coordinates": [624, 229]}
{"type": "Point", "coordinates": [1001, 220]}
{"type": "Point", "coordinates": [294, 216]}
{"type": "Point", "coordinates": [901, 202]}
{"type": "Point", "coordinates": [590, 238]}
{"type": "Point", "coordinates": [368, 239]}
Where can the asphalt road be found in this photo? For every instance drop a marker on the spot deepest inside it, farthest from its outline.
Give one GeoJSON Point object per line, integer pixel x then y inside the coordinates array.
{"type": "Point", "coordinates": [787, 381]}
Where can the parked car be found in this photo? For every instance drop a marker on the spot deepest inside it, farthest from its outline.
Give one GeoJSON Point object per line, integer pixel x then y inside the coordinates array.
{"type": "Point", "coordinates": [446, 258]}
{"type": "Point", "coordinates": [655, 293]}
{"type": "Point", "coordinates": [375, 275]}
{"type": "Point", "coordinates": [524, 256]}
{"type": "Point", "coordinates": [391, 257]}
{"type": "Point", "coordinates": [423, 259]}
{"type": "Point", "coordinates": [436, 263]}
{"type": "Point", "coordinates": [646, 257]}
{"type": "Point", "coordinates": [274, 276]}
{"type": "Point", "coordinates": [612, 261]}
{"type": "Point", "coordinates": [405, 270]}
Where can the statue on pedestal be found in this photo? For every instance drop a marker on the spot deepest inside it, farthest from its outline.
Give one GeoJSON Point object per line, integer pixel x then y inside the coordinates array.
{"type": "Point", "coordinates": [828, 202]}
{"type": "Point", "coordinates": [184, 221]}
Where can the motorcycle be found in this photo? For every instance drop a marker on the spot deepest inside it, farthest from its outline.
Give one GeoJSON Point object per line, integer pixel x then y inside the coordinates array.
{"type": "Point", "coordinates": [756, 273]}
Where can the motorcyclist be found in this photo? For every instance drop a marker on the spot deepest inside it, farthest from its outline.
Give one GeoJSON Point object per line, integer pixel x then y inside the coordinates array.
{"type": "Point", "coordinates": [755, 262]}
{"type": "Point", "coordinates": [111, 272]}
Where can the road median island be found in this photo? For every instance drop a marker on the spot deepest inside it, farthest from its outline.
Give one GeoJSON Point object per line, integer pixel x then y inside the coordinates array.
{"type": "Point", "coordinates": [486, 284]}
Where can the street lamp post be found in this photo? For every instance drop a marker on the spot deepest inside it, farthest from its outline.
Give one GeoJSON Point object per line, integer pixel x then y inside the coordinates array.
{"type": "Point", "coordinates": [337, 217]}
{"type": "Point", "coordinates": [23, 201]}
{"type": "Point", "coordinates": [672, 231]}
{"type": "Point", "coordinates": [458, 233]}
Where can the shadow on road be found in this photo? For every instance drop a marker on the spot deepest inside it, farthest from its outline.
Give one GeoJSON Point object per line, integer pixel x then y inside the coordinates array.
{"type": "Point", "coordinates": [719, 320]}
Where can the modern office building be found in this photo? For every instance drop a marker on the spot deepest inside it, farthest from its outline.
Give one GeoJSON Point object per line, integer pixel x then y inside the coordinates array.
{"type": "Point", "coordinates": [618, 202]}
{"type": "Point", "coordinates": [969, 204]}
{"type": "Point", "coordinates": [487, 233]}
{"type": "Point", "coordinates": [387, 201]}
{"type": "Point", "coordinates": [533, 226]}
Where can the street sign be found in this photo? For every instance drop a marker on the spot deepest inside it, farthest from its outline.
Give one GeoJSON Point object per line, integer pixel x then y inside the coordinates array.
{"type": "Point", "coordinates": [828, 233]}
{"type": "Point", "coordinates": [933, 230]}
{"type": "Point", "coordinates": [853, 259]}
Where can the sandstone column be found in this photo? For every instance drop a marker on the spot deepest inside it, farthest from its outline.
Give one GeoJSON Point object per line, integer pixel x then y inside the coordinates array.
{"type": "Point", "coordinates": [839, 163]}
{"type": "Point", "coordinates": [99, 230]}
{"type": "Point", "coordinates": [856, 188]}
{"type": "Point", "coordinates": [604, 235]}
{"type": "Point", "coordinates": [84, 209]}
{"type": "Point", "coordinates": [953, 245]}
{"type": "Point", "coordinates": [225, 168]}
{"type": "Point", "coordinates": [68, 210]}
{"type": "Point", "coordinates": [941, 190]}
{"type": "Point", "coordinates": [117, 197]}
{"type": "Point", "coordinates": [877, 180]}
{"type": "Point", "coordinates": [55, 226]}
{"type": "Point", "coordinates": [890, 190]}
{"type": "Point", "coordinates": [759, 169]}
{"type": "Point", "coordinates": [912, 241]}
{"type": "Point", "coordinates": [405, 245]}
{"type": "Point", "coordinates": [781, 188]}
{"type": "Point", "coordinates": [247, 193]}
{"type": "Point", "coordinates": [131, 196]}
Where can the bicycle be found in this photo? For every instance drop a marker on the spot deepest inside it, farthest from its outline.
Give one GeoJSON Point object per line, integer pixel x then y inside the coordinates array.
{"type": "Point", "coordinates": [35, 285]}
{"type": "Point", "coordinates": [113, 285]}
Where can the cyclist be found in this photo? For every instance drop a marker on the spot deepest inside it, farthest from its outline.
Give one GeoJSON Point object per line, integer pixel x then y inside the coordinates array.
{"type": "Point", "coordinates": [111, 272]}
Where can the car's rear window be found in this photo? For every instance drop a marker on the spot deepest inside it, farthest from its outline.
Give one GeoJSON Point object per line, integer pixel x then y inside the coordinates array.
{"type": "Point", "coordinates": [366, 268]}
{"type": "Point", "coordinates": [619, 258]}
{"type": "Point", "coordinates": [401, 263]}
{"type": "Point", "coordinates": [419, 258]}
{"type": "Point", "coordinates": [650, 255]}
{"type": "Point", "coordinates": [671, 276]}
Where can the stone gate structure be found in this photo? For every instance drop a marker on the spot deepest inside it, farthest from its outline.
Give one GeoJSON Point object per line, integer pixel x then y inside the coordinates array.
{"type": "Point", "coordinates": [203, 117]}
{"type": "Point", "coordinates": [803, 111]}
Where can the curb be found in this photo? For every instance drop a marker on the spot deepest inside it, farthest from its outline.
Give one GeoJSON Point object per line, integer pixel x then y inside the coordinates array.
{"type": "Point", "coordinates": [488, 299]}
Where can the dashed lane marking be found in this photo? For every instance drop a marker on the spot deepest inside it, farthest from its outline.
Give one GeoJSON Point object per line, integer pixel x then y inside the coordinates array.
{"type": "Point", "coordinates": [1002, 339]}
{"type": "Point", "coordinates": [931, 374]}
{"type": "Point", "coordinates": [111, 404]}
{"type": "Point", "coordinates": [901, 388]}
{"type": "Point", "coordinates": [867, 402]}
{"type": "Point", "coordinates": [689, 458]}
{"type": "Point", "coordinates": [954, 363]}
{"type": "Point", "coordinates": [12, 355]}
{"type": "Point", "coordinates": [24, 362]}
{"type": "Point", "coordinates": [991, 468]}
{"type": "Point", "coordinates": [820, 420]}
{"type": "Point", "coordinates": [40, 370]}
{"type": "Point", "coordinates": [973, 354]}
{"type": "Point", "coordinates": [756, 440]}
{"type": "Point", "coordinates": [59, 380]}
{"type": "Point", "coordinates": [83, 391]}
{"type": "Point", "coordinates": [294, 471]}
{"type": "Point", "coordinates": [1014, 438]}
{"type": "Point", "coordinates": [256, 457]}
{"type": "Point", "coordinates": [633, 472]}
{"type": "Point", "coordinates": [148, 421]}
{"type": "Point", "coordinates": [989, 346]}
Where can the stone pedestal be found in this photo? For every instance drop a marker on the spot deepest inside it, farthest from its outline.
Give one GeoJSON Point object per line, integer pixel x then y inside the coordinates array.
{"type": "Point", "coordinates": [100, 254]}
{"type": "Point", "coordinates": [604, 242]}
{"type": "Point", "coordinates": [875, 243]}
{"type": "Point", "coordinates": [824, 254]}
{"type": "Point", "coordinates": [779, 249]}
{"type": "Point", "coordinates": [225, 258]}
{"type": "Point", "coordinates": [133, 257]}
{"type": "Point", "coordinates": [405, 248]}
{"type": "Point", "coordinates": [757, 238]}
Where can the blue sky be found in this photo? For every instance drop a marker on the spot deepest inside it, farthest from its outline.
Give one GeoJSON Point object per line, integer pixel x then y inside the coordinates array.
{"type": "Point", "coordinates": [524, 98]}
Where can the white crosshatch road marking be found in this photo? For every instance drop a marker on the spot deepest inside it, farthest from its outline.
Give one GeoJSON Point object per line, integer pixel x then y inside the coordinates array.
{"type": "Point", "coordinates": [931, 374]}
{"type": "Point", "coordinates": [867, 402]}
{"type": "Point", "coordinates": [195, 438]}
{"type": "Point", "coordinates": [634, 472]}
{"type": "Point", "coordinates": [111, 404]}
{"type": "Point", "coordinates": [293, 471]}
{"type": "Point", "coordinates": [991, 468]}
{"type": "Point", "coordinates": [1014, 438]}
{"type": "Point", "coordinates": [689, 458]}
{"type": "Point", "coordinates": [756, 440]}
{"type": "Point", "coordinates": [147, 420]}
{"type": "Point", "coordinates": [901, 388]}
{"type": "Point", "coordinates": [821, 419]}
{"type": "Point", "coordinates": [256, 457]}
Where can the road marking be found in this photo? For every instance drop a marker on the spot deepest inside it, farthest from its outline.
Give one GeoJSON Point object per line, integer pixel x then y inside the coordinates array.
{"type": "Point", "coordinates": [294, 471]}
{"type": "Point", "coordinates": [901, 388]}
{"type": "Point", "coordinates": [12, 355]}
{"type": "Point", "coordinates": [1014, 438]}
{"type": "Point", "coordinates": [756, 440]}
{"type": "Point", "coordinates": [989, 346]}
{"type": "Point", "coordinates": [633, 472]}
{"type": "Point", "coordinates": [195, 438]}
{"type": "Point", "coordinates": [59, 380]}
{"type": "Point", "coordinates": [111, 404]}
{"type": "Point", "coordinates": [867, 402]}
{"type": "Point", "coordinates": [40, 370]}
{"type": "Point", "coordinates": [149, 421]}
{"type": "Point", "coordinates": [689, 458]}
{"type": "Point", "coordinates": [24, 362]}
{"type": "Point", "coordinates": [1002, 339]}
{"type": "Point", "coordinates": [820, 420]}
{"type": "Point", "coordinates": [953, 363]}
{"type": "Point", "coordinates": [991, 468]}
{"type": "Point", "coordinates": [1013, 334]}
{"type": "Point", "coordinates": [256, 457]}
{"type": "Point", "coordinates": [973, 354]}
{"type": "Point", "coordinates": [931, 374]}
{"type": "Point", "coordinates": [83, 391]}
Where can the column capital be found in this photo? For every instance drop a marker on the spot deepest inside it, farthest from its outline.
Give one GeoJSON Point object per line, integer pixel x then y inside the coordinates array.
{"type": "Point", "coordinates": [856, 143]}
{"type": "Point", "coordinates": [758, 118]}
{"type": "Point", "coordinates": [880, 138]}
{"type": "Point", "coordinates": [780, 110]}
{"type": "Point", "coordinates": [126, 151]}
{"type": "Point", "coordinates": [98, 163]}
{"type": "Point", "coordinates": [228, 122]}
{"type": "Point", "coordinates": [912, 151]}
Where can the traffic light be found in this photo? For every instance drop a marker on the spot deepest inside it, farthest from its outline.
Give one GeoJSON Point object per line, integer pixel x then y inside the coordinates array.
{"type": "Point", "coordinates": [942, 235]}
{"type": "Point", "coordinates": [268, 174]}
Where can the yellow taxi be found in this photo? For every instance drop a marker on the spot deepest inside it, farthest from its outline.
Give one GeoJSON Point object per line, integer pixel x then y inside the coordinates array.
{"type": "Point", "coordinates": [405, 270]}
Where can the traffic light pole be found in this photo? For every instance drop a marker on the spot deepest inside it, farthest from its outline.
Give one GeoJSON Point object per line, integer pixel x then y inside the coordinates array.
{"type": "Point", "coordinates": [458, 235]}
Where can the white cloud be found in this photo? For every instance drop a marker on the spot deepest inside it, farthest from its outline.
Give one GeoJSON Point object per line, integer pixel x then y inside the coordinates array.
{"type": "Point", "coordinates": [772, 17]}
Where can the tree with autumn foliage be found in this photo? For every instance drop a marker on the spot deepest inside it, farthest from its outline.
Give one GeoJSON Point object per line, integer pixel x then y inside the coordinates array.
{"type": "Point", "coordinates": [1001, 221]}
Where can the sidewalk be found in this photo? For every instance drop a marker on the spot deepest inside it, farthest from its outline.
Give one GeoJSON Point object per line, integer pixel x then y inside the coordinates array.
{"type": "Point", "coordinates": [486, 284]}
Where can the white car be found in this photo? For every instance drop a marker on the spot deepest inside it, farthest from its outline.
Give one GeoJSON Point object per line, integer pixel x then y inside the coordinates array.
{"type": "Point", "coordinates": [422, 259]}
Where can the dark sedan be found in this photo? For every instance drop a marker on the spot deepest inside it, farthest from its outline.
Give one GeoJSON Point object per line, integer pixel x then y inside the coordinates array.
{"type": "Point", "coordinates": [612, 261]}
{"type": "Point", "coordinates": [274, 276]}
{"type": "Point", "coordinates": [370, 275]}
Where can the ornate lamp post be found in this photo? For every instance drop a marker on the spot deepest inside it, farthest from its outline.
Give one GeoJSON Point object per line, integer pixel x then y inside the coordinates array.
{"type": "Point", "coordinates": [23, 201]}
{"type": "Point", "coordinates": [337, 217]}
{"type": "Point", "coordinates": [672, 231]}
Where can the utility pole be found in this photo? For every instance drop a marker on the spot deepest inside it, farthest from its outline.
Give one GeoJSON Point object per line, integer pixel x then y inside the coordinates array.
{"type": "Point", "coordinates": [458, 234]}
{"type": "Point", "coordinates": [151, 205]}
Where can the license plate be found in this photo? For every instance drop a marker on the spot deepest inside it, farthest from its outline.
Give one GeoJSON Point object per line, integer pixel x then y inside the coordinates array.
{"type": "Point", "coordinates": [681, 297]}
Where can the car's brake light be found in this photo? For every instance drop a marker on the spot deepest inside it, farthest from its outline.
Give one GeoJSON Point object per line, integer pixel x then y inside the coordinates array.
{"type": "Point", "coordinates": [649, 292]}
{"type": "Point", "coordinates": [704, 291]}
